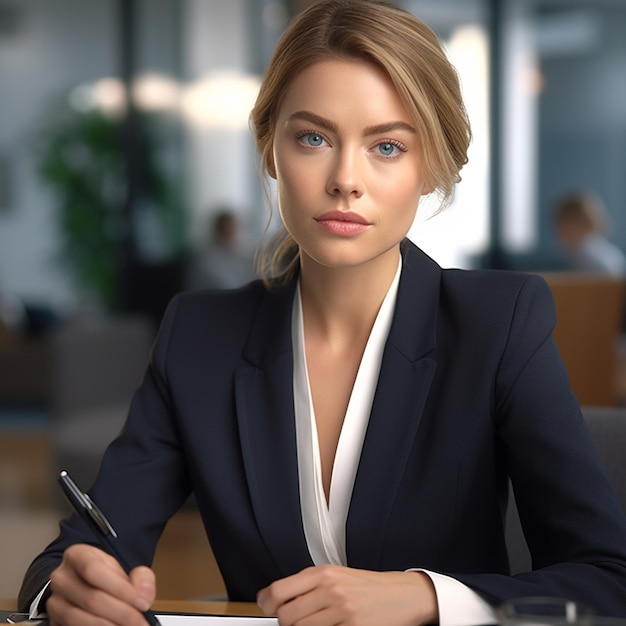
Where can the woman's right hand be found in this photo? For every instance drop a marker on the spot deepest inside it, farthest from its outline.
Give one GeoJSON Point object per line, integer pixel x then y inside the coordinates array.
{"type": "Point", "coordinates": [91, 588]}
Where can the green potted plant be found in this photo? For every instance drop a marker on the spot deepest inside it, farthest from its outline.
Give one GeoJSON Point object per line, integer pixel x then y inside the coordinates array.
{"type": "Point", "coordinates": [80, 157]}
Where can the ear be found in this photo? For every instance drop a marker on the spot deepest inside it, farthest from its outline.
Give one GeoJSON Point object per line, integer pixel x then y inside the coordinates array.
{"type": "Point", "coordinates": [270, 166]}
{"type": "Point", "coordinates": [428, 188]}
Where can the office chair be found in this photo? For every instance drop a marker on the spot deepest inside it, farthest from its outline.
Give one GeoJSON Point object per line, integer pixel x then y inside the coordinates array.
{"type": "Point", "coordinates": [96, 366]}
{"type": "Point", "coordinates": [608, 431]}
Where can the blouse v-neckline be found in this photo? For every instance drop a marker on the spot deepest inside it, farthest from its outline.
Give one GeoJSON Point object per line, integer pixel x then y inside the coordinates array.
{"type": "Point", "coordinates": [324, 524]}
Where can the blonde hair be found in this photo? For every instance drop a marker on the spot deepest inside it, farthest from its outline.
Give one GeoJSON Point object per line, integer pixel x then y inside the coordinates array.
{"type": "Point", "coordinates": [409, 52]}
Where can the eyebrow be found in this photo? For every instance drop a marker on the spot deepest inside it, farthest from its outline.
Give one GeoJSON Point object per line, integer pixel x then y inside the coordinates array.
{"type": "Point", "coordinates": [318, 120]}
{"type": "Point", "coordinates": [327, 124]}
{"type": "Point", "coordinates": [379, 129]}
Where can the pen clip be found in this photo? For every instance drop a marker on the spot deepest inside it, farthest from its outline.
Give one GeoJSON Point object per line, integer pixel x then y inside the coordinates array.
{"type": "Point", "coordinates": [98, 517]}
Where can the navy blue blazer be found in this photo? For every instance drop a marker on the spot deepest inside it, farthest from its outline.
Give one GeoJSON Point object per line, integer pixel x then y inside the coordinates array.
{"type": "Point", "coordinates": [471, 391]}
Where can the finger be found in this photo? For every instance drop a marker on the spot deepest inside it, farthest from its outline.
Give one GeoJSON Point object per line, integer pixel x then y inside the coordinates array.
{"type": "Point", "coordinates": [144, 580]}
{"type": "Point", "coordinates": [102, 571]}
{"type": "Point", "coordinates": [94, 582]}
{"type": "Point", "coordinates": [62, 612]}
{"type": "Point", "coordinates": [309, 608]}
{"type": "Point", "coordinates": [286, 589]}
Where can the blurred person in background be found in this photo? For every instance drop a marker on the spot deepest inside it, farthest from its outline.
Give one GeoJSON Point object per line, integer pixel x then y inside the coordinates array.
{"type": "Point", "coordinates": [582, 224]}
{"type": "Point", "coordinates": [223, 262]}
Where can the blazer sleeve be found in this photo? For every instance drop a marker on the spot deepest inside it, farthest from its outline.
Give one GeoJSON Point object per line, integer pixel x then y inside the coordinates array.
{"type": "Point", "coordinates": [142, 481]}
{"type": "Point", "coordinates": [572, 520]}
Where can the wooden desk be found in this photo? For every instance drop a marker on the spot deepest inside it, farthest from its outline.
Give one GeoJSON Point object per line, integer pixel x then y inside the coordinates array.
{"type": "Point", "coordinates": [181, 606]}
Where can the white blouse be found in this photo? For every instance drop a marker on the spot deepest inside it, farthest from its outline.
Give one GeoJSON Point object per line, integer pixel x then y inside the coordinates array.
{"type": "Point", "coordinates": [324, 525]}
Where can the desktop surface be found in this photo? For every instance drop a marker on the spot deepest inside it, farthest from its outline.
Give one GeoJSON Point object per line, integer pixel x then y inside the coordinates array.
{"type": "Point", "coordinates": [8, 606]}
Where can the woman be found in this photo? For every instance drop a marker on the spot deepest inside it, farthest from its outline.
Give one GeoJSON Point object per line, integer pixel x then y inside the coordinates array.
{"type": "Point", "coordinates": [582, 222]}
{"type": "Point", "coordinates": [349, 427]}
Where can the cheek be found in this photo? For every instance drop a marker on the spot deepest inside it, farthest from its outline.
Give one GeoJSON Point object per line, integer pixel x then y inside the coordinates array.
{"type": "Point", "coordinates": [404, 191]}
{"type": "Point", "coordinates": [294, 184]}
{"type": "Point", "coordinates": [404, 200]}
{"type": "Point", "coordinates": [287, 195]}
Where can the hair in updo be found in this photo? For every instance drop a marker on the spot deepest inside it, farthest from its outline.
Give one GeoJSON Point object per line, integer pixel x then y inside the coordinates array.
{"type": "Point", "coordinates": [401, 45]}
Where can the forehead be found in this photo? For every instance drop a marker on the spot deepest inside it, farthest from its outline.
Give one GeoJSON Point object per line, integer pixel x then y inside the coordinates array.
{"type": "Point", "coordinates": [339, 87]}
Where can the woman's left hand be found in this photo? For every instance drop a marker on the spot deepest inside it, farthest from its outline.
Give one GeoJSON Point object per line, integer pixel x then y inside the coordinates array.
{"type": "Point", "coordinates": [331, 595]}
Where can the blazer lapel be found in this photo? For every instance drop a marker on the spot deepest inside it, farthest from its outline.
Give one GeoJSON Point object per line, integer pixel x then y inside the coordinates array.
{"type": "Point", "coordinates": [265, 413]}
{"type": "Point", "coordinates": [404, 382]}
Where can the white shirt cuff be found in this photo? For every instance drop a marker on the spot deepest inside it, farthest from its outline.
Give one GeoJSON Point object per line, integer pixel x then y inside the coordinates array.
{"type": "Point", "coordinates": [34, 605]}
{"type": "Point", "coordinates": [458, 604]}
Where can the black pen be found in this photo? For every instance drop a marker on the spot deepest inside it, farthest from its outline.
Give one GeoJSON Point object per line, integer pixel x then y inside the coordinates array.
{"type": "Point", "coordinates": [86, 508]}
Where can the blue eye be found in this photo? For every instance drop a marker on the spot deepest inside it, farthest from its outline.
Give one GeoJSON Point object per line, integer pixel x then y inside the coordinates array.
{"type": "Point", "coordinates": [315, 140]}
{"type": "Point", "coordinates": [386, 148]}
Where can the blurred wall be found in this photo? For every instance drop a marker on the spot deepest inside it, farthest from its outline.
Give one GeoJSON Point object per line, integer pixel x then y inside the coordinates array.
{"type": "Point", "coordinates": [49, 48]}
{"type": "Point", "coordinates": [40, 60]}
{"type": "Point", "coordinates": [582, 124]}
{"type": "Point", "coordinates": [219, 47]}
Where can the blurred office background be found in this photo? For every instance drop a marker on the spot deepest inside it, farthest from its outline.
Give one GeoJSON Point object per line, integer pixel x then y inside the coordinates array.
{"type": "Point", "coordinates": [123, 130]}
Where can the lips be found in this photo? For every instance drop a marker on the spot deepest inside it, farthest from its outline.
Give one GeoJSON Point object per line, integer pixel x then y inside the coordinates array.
{"type": "Point", "coordinates": [343, 216]}
{"type": "Point", "coordinates": [343, 223]}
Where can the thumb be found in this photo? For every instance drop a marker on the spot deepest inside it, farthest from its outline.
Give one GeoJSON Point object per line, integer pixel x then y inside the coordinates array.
{"type": "Point", "coordinates": [144, 580]}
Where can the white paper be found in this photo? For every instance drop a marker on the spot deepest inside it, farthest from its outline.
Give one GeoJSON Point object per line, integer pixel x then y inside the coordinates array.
{"type": "Point", "coordinates": [215, 620]}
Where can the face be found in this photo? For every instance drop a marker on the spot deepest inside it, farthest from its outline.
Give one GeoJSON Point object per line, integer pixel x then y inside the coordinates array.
{"type": "Point", "coordinates": [348, 165]}
{"type": "Point", "coordinates": [571, 232]}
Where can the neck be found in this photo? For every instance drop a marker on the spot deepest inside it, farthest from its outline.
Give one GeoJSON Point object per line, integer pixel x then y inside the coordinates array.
{"type": "Point", "coordinates": [342, 303]}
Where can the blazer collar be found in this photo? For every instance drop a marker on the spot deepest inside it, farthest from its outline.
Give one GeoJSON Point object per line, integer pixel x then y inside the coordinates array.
{"type": "Point", "coordinates": [265, 414]}
{"type": "Point", "coordinates": [270, 335]}
{"type": "Point", "coordinates": [404, 382]}
{"type": "Point", "coordinates": [264, 396]}
{"type": "Point", "coordinates": [413, 330]}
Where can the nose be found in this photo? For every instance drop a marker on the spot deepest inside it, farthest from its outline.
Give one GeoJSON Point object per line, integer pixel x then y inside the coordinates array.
{"type": "Point", "coordinates": [345, 177]}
